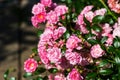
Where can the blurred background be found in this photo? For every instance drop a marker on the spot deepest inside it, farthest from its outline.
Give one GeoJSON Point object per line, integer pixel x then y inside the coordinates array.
{"type": "Point", "coordinates": [17, 35]}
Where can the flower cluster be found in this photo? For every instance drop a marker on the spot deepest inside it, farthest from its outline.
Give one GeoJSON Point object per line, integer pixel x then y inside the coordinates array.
{"type": "Point", "coordinates": [76, 46]}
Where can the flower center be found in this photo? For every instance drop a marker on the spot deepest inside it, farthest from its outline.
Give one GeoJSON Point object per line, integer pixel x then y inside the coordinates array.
{"type": "Point", "coordinates": [31, 65]}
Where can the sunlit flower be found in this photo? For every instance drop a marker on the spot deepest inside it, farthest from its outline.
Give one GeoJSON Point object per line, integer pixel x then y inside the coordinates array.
{"type": "Point", "coordinates": [96, 51]}
{"type": "Point", "coordinates": [74, 75]}
{"type": "Point", "coordinates": [114, 5]}
{"type": "Point", "coordinates": [30, 65]}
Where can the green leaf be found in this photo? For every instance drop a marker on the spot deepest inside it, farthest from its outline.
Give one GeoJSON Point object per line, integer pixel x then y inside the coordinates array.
{"type": "Point", "coordinates": [39, 78]}
{"type": "Point", "coordinates": [116, 43]}
{"type": "Point", "coordinates": [91, 76]}
{"type": "Point", "coordinates": [53, 70]}
{"type": "Point", "coordinates": [96, 28]}
{"type": "Point", "coordinates": [39, 32]}
{"type": "Point", "coordinates": [108, 19]}
{"type": "Point", "coordinates": [103, 63]}
{"type": "Point", "coordinates": [87, 24]}
{"type": "Point", "coordinates": [89, 36]}
{"type": "Point", "coordinates": [111, 49]}
{"type": "Point", "coordinates": [34, 50]}
{"type": "Point", "coordinates": [6, 74]}
{"type": "Point", "coordinates": [105, 71]}
{"type": "Point", "coordinates": [66, 35]}
{"type": "Point", "coordinates": [117, 60]}
{"type": "Point", "coordinates": [63, 0]}
{"type": "Point", "coordinates": [69, 1]}
{"type": "Point", "coordinates": [103, 40]}
{"type": "Point", "coordinates": [12, 78]}
{"type": "Point", "coordinates": [92, 41]}
{"type": "Point", "coordinates": [98, 19]}
{"type": "Point", "coordinates": [39, 70]}
{"type": "Point", "coordinates": [27, 74]}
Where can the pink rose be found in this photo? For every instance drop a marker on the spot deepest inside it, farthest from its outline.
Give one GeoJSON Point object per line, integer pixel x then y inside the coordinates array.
{"type": "Point", "coordinates": [106, 29]}
{"type": "Point", "coordinates": [54, 54]}
{"type": "Point", "coordinates": [73, 57]}
{"type": "Point", "coordinates": [89, 16]}
{"type": "Point", "coordinates": [46, 2]}
{"type": "Point", "coordinates": [83, 29]}
{"type": "Point", "coordinates": [43, 55]}
{"type": "Point", "coordinates": [114, 5]}
{"type": "Point", "coordinates": [116, 32]}
{"type": "Point", "coordinates": [30, 65]}
{"type": "Point", "coordinates": [34, 21]}
{"type": "Point", "coordinates": [59, 76]}
{"type": "Point", "coordinates": [100, 11]}
{"type": "Point", "coordinates": [52, 17]}
{"type": "Point", "coordinates": [61, 9]}
{"type": "Point", "coordinates": [72, 42]}
{"type": "Point", "coordinates": [96, 51]}
{"type": "Point", "coordinates": [86, 9]}
{"type": "Point", "coordinates": [47, 35]}
{"type": "Point", "coordinates": [64, 64]}
{"type": "Point", "coordinates": [59, 32]}
{"type": "Point", "coordinates": [80, 20]}
{"type": "Point", "coordinates": [38, 8]}
{"type": "Point", "coordinates": [74, 75]}
{"type": "Point", "coordinates": [39, 18]}
{"type": "Point", "coordinates": [50, 77]}
{"type": "Point", "coordinates": [109, 40]}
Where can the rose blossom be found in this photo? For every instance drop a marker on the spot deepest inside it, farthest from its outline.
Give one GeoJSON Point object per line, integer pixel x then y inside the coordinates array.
{"type": "Point", "coordinates": [109, 41]}
{"type": "Point", "coordinates": [86, 9]}
{"type": "Point", "coordinates": [116, 31]}
{"type": "Point", "coordinates": [34, 21]}
{"type": "Point", "coordinates": [52, 17]}
{"type": "Point", "coordinates": [96, 51]}
{"type": "Point", "coordinates": [100, 11]}
{"type": "Point", "coordinates": [74, 75]}
{"type": "Point", "coordinates": [47, 35]}
{"type": "Point", "coordinates": [46, 2]}
{"type": "Point", "coordinates": [89, 16]}
{"type": "Point", "coordinates": [38, 8]}
{"type": "Point", "coordinates": [59, 76]}
{"type": "Point", "coordinates": [72, 42]}
{"type": "Point", "coordinates": [59, 32]}
{"type": "Point", "coordinates": [106, 29]}
{"type": "Point", "coordinates": [114, 5]}
{"type": "Point", "coordinates": [54, 54]}
{"type": "Point", "coordinates": [30, 65]}
{"type": "Point", "coordinates": [39, 18]}
{"type": "Point", "coordinates": [73, 57]}
{"type": "Point", "coordinates": [43, 55]}
{"type": "Point", "coordinates": [61, 9]}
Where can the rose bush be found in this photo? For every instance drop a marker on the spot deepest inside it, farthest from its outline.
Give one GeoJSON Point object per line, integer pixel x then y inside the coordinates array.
{"type": "Point", "coordinates": [80, 41]}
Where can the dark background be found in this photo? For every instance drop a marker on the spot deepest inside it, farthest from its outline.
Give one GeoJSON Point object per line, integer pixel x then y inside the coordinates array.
{"type": "Point", "coordinates": [17, 35]}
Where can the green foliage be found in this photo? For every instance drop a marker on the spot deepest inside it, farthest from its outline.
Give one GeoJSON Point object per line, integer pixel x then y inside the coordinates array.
{"type": "Point", "coordinates": [105, 71]}
{"type": "Point", "coordinates": [6, 74]}
{"type": "Point", "coordinates": [103, 40]}
{"type": "Point", "coordinates": [96, 28]}
{"type": "Point", "coordinates": [91, 76]}
{"type": "Point", "coordinates": [27, 74]}
{"type": "Point", "coordinates": [66, 35]}
{"type": "Point", "coordinates": [39, 32]}
{"type": "Point", "coordinates": [103, 63]}
{"type": "Point", "coordinates": [53, 70]}
{"type": "Point", "coordinates": [98, 19]}
{"type": "Point", "coordinates": [116, 42]}
{"type": "Point", "coordinates": [39, 70]}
